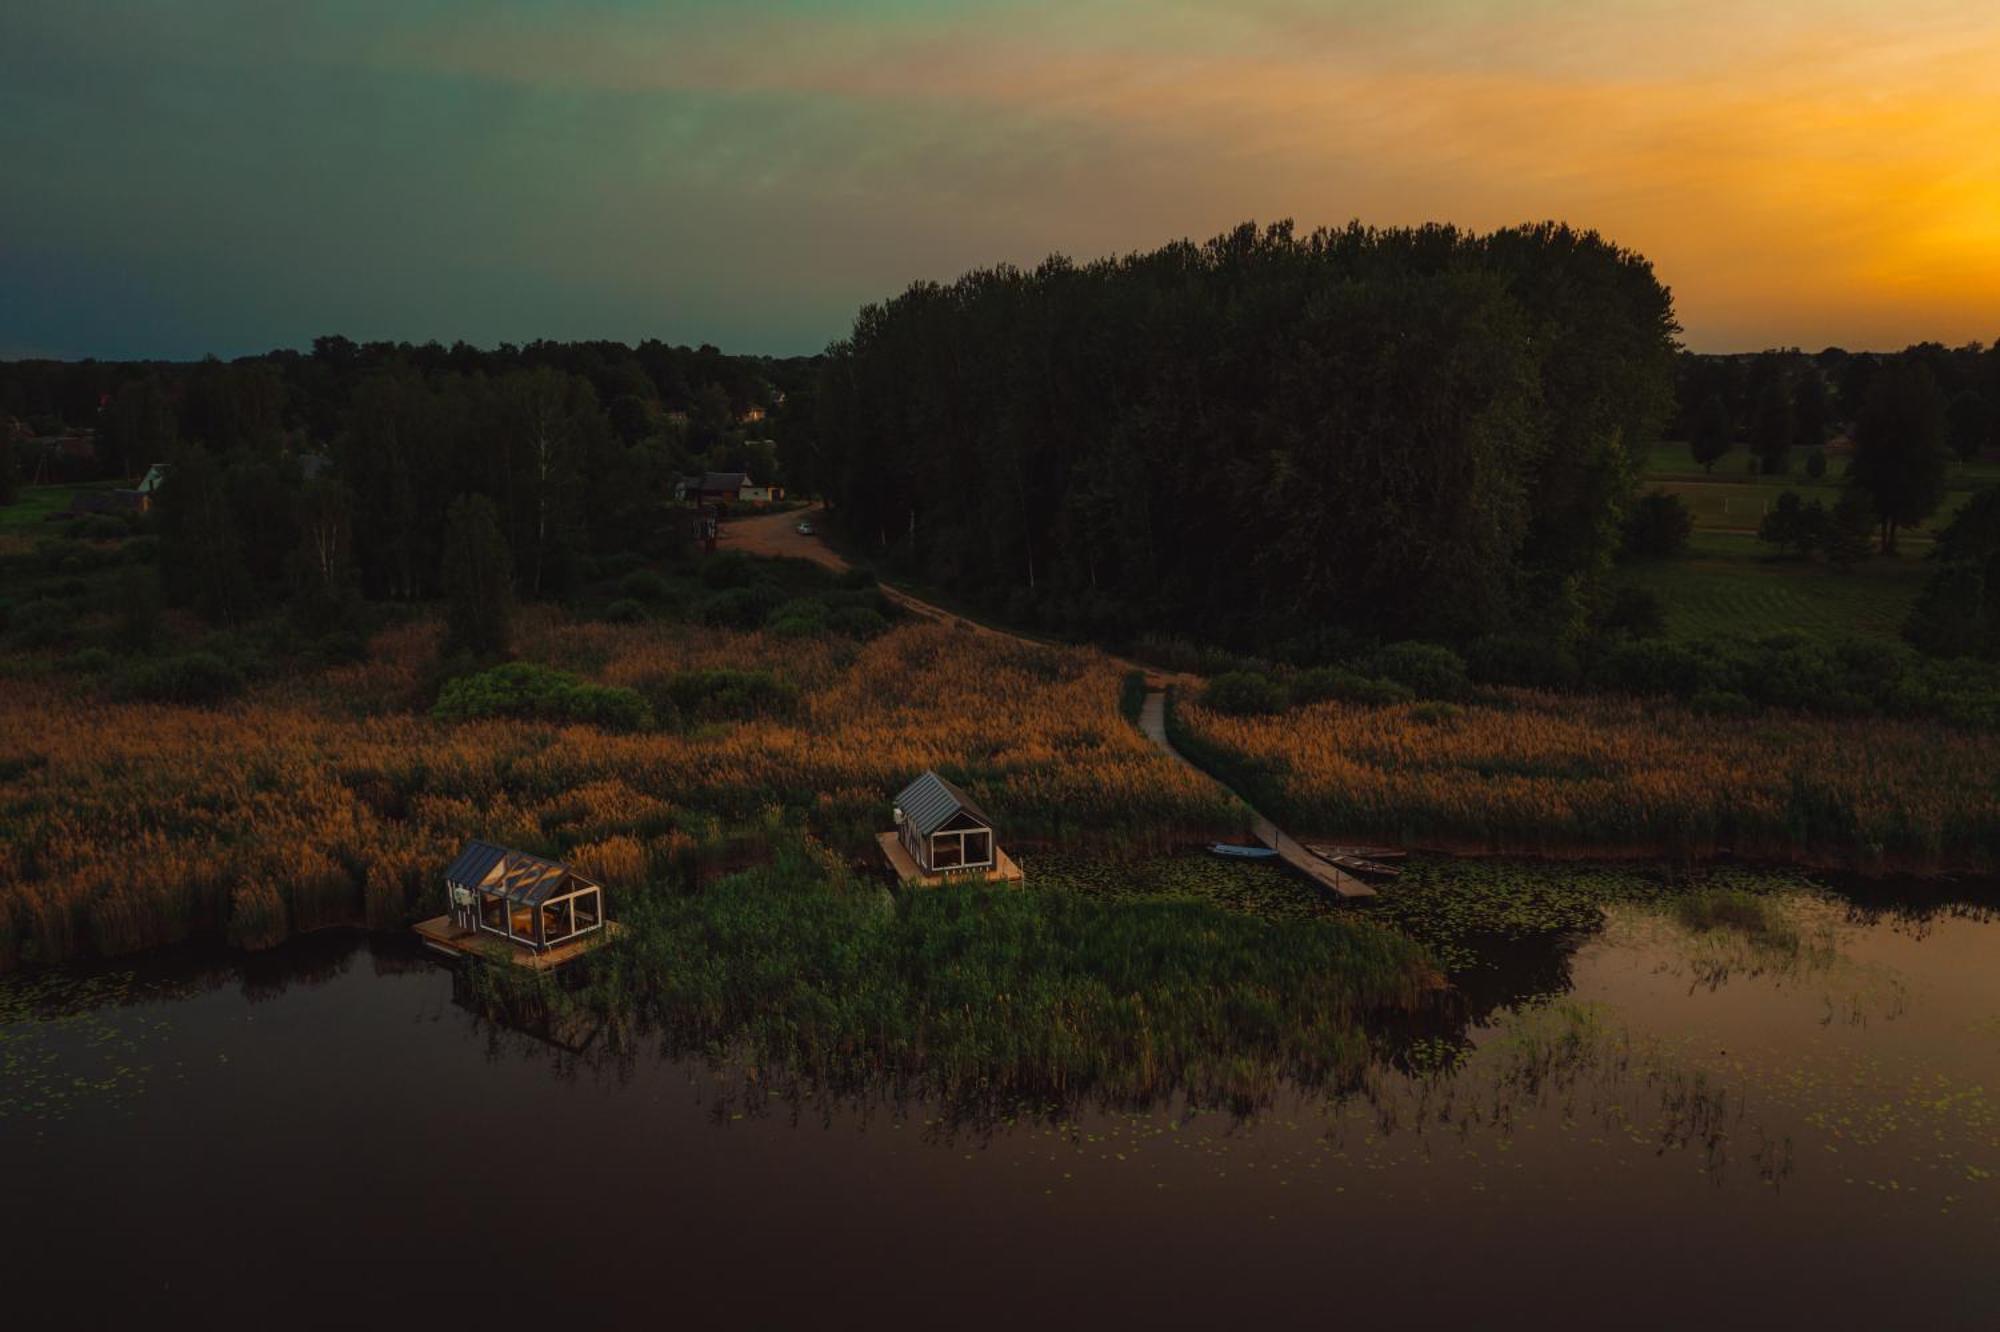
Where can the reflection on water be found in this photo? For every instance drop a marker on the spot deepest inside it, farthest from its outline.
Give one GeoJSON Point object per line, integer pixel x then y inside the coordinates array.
{"type": "Point", "coordinates": [1805, 1124]}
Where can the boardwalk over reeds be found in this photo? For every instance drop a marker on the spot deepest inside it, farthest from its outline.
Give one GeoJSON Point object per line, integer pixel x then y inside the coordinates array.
{"type": "Point", "coordinates": [1153, 721]}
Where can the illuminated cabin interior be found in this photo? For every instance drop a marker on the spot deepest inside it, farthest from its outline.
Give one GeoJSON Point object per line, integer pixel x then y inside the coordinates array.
{"type": "Point", "coordinates": [523, 898]}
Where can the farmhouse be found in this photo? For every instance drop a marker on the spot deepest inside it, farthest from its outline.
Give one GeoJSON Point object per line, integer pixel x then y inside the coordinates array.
{"type": "Point", "coordinates": [941, 834]}
{"type": "Point", "coordinates": [725, 488]}
{"type": "Point", "coordinates": [535, 903]}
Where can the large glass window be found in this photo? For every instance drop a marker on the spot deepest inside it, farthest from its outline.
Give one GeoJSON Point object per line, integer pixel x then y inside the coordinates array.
{"type": "Point", "coordinates": [978, 847]}
{"type": "Point", "coordinates": [493, 913]}
{"type": "Point", "coordinates": [945, 851]}
{"type": "Point", "coordinates": [588, 909]}
{"type": "Point", "coordinates": [555, 921]}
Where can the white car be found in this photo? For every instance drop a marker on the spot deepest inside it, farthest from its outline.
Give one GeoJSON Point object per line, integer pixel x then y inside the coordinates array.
{"type": "Point", "coordinates": [805, 529]}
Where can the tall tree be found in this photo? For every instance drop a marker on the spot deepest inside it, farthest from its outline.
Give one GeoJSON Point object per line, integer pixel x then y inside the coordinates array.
{"type": "Point", "coordinates": [1812, 410]}
{"type": "Point", "coordinates": [1899, 454]}
{"type": "Point", "coordinates": [1772, 428]}
{"type": "Point", "coordinates": [478, 579]}
{"type": "Point", "coordinates": [325, 598]}
{"type": "Point", "coordinates": [201, 553]}
{"type": "Point", "coordinates": [1970, 424]}
{"type": "Point", "coordinates": [1710, 439]}
{"type": "Point", "coordinates": [139, 426]}
{"type": "Point", "coordinates": [1958, 612]}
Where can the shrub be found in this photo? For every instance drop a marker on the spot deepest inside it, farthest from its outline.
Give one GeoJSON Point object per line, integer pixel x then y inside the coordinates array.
{"type": "Point", "coordinates": [644, 585]}
{"type": "Point", "coordinates": [1658, 527]}
{"type": "Point", "coordinates": [727, 695]}
{"type": "Point", "coordinates": [88, 661]}
{"type": "Point", "coordinates": [729, 569]}
{"type": "Point", "coordinates": [1636, 611]}
{"type": "Point", "coordinates": [1523, 659]}
{"type": "Point", "coordinates": [523, 689]}
{"type": "Point", "coordinates": [1642, 666]}
{"type": "Point", "coordinates": [801, 617]}
{"type": "Point", "coordinates": [625, 611]}
{"type": "Point", "coordinates": [739, 607]}
{"type": "Point", "coordinates": [1331, 682]}
{"type": "Point", "coordinates": [42, 623]}
{"type": "Point", "coordinates": [1721, 703]}
{"type": "Point", "coordinates": [1243, 693]}
{"type": "Point", "coordinates": [857, 622]}
{"type": "Point", "coordinates": [197, 677]}
{"type": "Point", "coordinates": [1430, 669]}
{"type": "Point", "coordinates": [1434, 712]}
{"type": "Point", "coordinates": [856, 580]}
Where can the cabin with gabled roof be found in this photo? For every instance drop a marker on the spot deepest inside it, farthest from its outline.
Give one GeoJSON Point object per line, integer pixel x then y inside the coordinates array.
{"type": "Point", "coordinates": [941, 833]}
{"type": "Point", "coordinates": [544, 909]}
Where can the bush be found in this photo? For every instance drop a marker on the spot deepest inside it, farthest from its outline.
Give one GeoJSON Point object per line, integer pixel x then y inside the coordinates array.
{"type": "Point", "coordinates": [1243, 693]}
{"type": "Point", "coordinates": [1636, 611]}
{"type": "Point", "coordinates": [88, 661]}
{"type": "Point", "coordinates": [1658, 527]}
{"type": "Point", "coordinates": [1523, 659]}
{"type": "Point", "coordinates": [857, 622]}
{"type": "Point", "coordinates": [644, 585]}
{"type": "Point", "coordinates": [523, 689]}
{"type": "Point", "coordinates": [739, 607]}
{"type": "Point", "coordinates": [729, 569]}
{"type": "Point", "coordinates": [197, 677]}
{"type": "Point", "coordinates": [1721, 703]}
{"type": "Point", "coordinates": [801, 617]}
{"type": "Point", "coordinates": [1331, 682]}
{"type": "Point", "coordinates": [726, 695]}
{"type": "Point", "coordinates": [1655, 667]}
{"type": "Point", "coordinates": [856, 580]}
{"type": "Point", "coordinates": [1435, 712]}
{"type": "Point", "coordinates": [42, 623]}
{"type": "Point", "coordinates": [626, 611]}
{"type": "Point", "coordinates": [1429, 669]}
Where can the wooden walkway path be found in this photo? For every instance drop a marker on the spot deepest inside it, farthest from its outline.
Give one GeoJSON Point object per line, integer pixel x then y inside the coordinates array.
{"type": "Point", "coordinates": [1153, 721]}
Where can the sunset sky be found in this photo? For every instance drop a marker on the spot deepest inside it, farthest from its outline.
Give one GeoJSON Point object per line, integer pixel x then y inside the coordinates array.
{"type": "Point", "coordinates": [229, 175]}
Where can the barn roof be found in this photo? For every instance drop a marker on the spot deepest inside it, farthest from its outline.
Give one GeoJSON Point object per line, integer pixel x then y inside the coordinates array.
{"type": "Point", "coordinates": [930, 802]}
{"type": "Point", "coordinates": [515, 875]}
{"type": "Point", "coordinates": [725, 481]}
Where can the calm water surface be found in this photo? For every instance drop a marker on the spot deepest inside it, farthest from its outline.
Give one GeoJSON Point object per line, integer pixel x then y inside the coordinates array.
{"type": "Point", "coordinates": [1695, 1132]}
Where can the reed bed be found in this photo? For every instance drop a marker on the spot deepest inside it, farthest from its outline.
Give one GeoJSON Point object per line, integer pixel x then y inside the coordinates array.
{"type": "Point", "coordinates": [1537, 774]}
{"type": "Point", "coordinates": [807, 976]}
{"type": "Point", "coordinates": [338, 800]}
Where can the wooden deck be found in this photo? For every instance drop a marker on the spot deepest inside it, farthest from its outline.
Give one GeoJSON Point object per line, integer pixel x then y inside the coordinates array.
{"type": "Point", "coordinates": [440, 933]}
{"type": "Point", "coordinates": [1153, 721]}
{"type": "Point", "coordinates": [912, 875]}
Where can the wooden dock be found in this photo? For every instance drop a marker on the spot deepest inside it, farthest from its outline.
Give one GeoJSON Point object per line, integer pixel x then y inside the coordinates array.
{"type": "Point", "coordinates": [911, 875]}
{"type": "Point", "coordinates": [1153, 721]}
{"type": "Point", "coordinates": [442, 935]}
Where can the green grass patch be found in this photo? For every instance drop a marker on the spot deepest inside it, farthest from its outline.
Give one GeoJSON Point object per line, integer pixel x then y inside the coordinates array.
{"type": "Point", "coordinates": [34, 507]}
{"type": "Point", "coordinates": [1729, 585]}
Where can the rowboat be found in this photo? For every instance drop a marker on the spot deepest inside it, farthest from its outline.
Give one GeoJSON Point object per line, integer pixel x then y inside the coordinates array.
{"type": "Point", "coordinates": [1242, 852]}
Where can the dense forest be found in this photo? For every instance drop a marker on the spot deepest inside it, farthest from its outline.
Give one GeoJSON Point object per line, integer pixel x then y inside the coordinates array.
{"type": "Point", "coordinates": [1395, 433]}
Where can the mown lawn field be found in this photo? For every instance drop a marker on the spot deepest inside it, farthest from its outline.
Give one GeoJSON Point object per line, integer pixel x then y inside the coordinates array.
{"type": "Point", "coordinates": [33, 507]}
{"type": "Point", "coordinates": [1729, 583]}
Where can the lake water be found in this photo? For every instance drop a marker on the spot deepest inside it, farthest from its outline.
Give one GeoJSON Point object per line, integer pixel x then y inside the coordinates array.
{"type": "Point", "coordinates": [1696, 1131]}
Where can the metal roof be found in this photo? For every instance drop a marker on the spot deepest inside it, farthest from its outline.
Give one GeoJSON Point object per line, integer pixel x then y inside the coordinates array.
{"type": "Point", "coordinates": [930, 802]}
{"type": "Point", "coordinates": [725, 481]}
{"type": "Point", "coordinates": [500, 871]}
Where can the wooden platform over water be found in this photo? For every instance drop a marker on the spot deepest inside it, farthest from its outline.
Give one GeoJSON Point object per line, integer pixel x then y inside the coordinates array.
{"type": "Point", "coordinates": [912, 875]}
{"type": "Point", "coordinates": [446, 936]}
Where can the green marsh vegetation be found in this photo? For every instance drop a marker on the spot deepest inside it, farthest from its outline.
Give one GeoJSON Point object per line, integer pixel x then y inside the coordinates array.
{"type": "Point", "coordinates": [801, 973]}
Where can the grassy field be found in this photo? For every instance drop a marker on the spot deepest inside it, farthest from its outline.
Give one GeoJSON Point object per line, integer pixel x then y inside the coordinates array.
{"type": "Point", "coordinates": [32, 509]}
{"type": "Point", "coordinates": [1730, 583]}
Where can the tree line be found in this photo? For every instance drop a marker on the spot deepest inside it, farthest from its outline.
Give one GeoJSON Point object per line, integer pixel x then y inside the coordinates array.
{"type": "Point", "coordinates": [1398, 433]}
{"type": "Point", "coordinates": [314, 480]}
